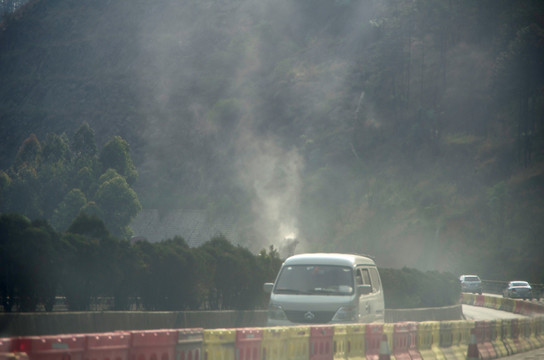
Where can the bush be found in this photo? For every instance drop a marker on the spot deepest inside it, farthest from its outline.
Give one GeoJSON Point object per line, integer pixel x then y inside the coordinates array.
{"type": "Point", "coordinates": [410, 288]}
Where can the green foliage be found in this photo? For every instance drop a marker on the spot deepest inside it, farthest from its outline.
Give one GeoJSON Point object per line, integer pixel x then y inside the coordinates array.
{"type": "Point", "coordinates": [119, 204]}
{"type": "Point", "coordinates": [29, 153]}
{"type": "Point", "coordinates": [371, 94]}
{"type": "Point", "coordinates": [87, 262]}
{"type": "Point", "coordinates": [90, 226]}
{"type": "Point", "coordinates": [68, 209]}
{"type": "Point", "coordinates": [83, 143]}
{"type": "Point", "coordinates": [55, 181]}
{"type": "Point", "coordinates": [115, 155]}
{"type": "Point", "coordinates": [411, 288]}
{"type": "Point", "coordinates": [30, 263]}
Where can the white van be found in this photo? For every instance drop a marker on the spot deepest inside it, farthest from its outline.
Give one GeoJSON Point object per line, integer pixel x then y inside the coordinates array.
{"type": "Point", "coordinates": [325, 288]}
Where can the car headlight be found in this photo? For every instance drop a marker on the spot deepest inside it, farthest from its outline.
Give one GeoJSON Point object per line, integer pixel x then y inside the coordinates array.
{"type": "Point", "coordinates": [276, 312]}
{"type": "Point", "coordinates": [345, 313]}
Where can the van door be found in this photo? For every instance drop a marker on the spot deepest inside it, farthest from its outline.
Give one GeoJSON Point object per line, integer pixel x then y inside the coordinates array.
{"type": "Point", "coordinates": [371, 306]}
{"type": "Point", "coordinates": [377, 292]}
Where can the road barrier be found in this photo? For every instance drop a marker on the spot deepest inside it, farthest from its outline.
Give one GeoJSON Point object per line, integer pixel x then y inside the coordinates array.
{"type": "Point", "coordinates": [496, 338]}
{"type": "Point", "coordinates": [56, 347]}
{"type": "Point", "coordinates": [405, 340]}
{"type": "Point", "coordinates": [219, 344]}
{"type": "Point", "coordinates": [248, 343]}
{"type": "Point", "coordinates": [153, 344]}
{"type": "Point", "coordinates": [107, 346]}
{"type": "Point", "coordinates": [482, 331]}
{"type": "Point", "coordinates": [321, 342]}
{"type": "Point", "coordinates": [189, 345]}
{"type": "Point", "coordinates": [356, 341]}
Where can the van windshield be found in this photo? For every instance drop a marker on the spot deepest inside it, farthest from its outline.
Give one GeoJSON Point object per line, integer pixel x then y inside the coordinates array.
{"type": "Point", "coordinates": [315, 280]}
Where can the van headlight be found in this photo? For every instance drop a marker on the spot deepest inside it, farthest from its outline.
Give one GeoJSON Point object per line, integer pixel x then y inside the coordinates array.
{"type": "Point", "coordinates": [345, 313]}
{"type": "Point", "coordinates": [276, 312]}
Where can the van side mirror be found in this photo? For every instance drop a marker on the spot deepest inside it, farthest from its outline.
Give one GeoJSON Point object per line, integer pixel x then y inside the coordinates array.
{"type": "Point", "coordinates": [267, 287]}
{"type": "Point", "coordinates": [364, 289]}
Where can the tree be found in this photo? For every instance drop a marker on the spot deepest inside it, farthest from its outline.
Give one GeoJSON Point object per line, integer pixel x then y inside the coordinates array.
{"type": "Point", "coordinates": [116, 155]}
{"type": "Point", "coordinates": [83, 143]}
{"type": "Point", "coordinates": [40, 266]}
{"type": "Point", "coordinates": [119, 204]}
{"type": "Point", "coordinates": [88, 225]}
{"type": "Point", "coordinates": [234, 282]}
{"type": "Point", "coordinates": [29, 153]}
{"type": "Point", "coordinates": [29, 263]}
{"type": "Point", "coordinates": [80, 278]}
{"type": "Point", "coordinates": [5, 182]}
{"type": "Point", "coordinates": [519, 71]}
{"type": "Point", "coordinates": [11, 228]}
{"type": "Point", "coordinates": [68, 209]}
{"type": "Point", "coordinates": [56, 149]}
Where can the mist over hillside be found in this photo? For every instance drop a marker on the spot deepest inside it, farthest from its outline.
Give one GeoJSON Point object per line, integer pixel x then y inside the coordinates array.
{"type": "Point", "coordinates": [407, 130]}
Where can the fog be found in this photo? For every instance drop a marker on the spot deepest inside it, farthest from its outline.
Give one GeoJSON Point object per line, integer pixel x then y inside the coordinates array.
{"type": "Point", "coordinates": [376, 127]}
{"type": "Point", "coordinates": [263, 164]}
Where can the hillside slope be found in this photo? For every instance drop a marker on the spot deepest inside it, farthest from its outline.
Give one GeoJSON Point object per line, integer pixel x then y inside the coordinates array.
{"type": "Point", "coordinates": [411, 131]}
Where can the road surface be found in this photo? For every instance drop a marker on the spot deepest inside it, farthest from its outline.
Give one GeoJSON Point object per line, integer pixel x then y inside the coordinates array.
{"type": "Point", "coordinates": [482, 313]}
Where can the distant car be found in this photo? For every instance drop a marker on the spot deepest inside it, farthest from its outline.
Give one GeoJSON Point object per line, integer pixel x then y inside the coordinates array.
{"type": "Point", "coordinates": [471, 284]}
{"type": "Point", "coordinates": [518, 290]}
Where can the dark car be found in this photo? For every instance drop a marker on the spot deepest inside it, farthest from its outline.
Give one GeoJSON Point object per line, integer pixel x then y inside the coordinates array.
{"type": "Point", "coordinates": [518, 290]}
{"type": "Point", "coordinates": [471, 283]}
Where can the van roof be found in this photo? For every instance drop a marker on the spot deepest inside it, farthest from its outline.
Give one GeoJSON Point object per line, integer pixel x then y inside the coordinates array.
{"type": "Point", "coordinates": [329, 259]}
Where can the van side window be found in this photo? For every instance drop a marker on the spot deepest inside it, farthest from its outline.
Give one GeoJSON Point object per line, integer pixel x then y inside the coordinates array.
{"type": "Point", "coordinates": [375, 279]}
{"type": "Point", "coordinates": [358, 277]}
{"type": "Point", "coordinates": [365, 276]}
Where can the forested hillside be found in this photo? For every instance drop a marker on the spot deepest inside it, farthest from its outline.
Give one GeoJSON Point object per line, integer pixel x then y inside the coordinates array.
{"type": "Point", "coordinates": [410, 130]}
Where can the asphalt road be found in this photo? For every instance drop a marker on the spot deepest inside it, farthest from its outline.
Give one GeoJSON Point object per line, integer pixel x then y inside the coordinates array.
{"type": "Point", "coordinates": [482, 313]}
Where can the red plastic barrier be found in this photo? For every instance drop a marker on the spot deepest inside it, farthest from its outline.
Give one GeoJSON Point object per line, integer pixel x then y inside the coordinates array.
{"type": "Point", "coordinates": [107, 346]}
{"type": "Point", "coordinates": [514, 328]}
{"type": "Point", "coordinates": [153, 344]}
{"type": "Point", "coordinates": [519, 307]}
{"type": "Point", "coordinates": [480, 300]}
{"type": "Point", "coordinates": [189, 346]}
{"type": "Point", "coordinates": [248, 343]}
{"type": "Point", "coordinates": [373, 336]}
{"type": "Point", "coordinates": [482, 331]}
{"type": "Point", "coordinates": [5, 345]}
{"type": "Point", "coordinates": [412, 345]}
{"type": "Point", "coordinates": [401, 341]}
{"type": "Point", "coordinates": [321, 342]}
{"type": "Point", "coordinates": [52, 347]}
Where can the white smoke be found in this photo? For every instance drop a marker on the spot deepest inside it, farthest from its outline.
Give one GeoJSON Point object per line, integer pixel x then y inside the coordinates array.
{"type": "Point", "coordinates": [274, 176]}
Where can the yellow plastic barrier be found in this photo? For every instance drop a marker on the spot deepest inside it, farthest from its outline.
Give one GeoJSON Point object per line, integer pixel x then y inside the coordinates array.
{"type": "Point", "coordinates": [498, 303]}
{"type": "Point", "coordinates": [507, 305]}
{"type": "Point", "coordinates": [356, 346]}
{"type": "Point", "coordinates": [468, 298]}
{"type": "Point", "coordinates": [490, 302]}
{"type": "Point", "coordinates": [538, 324]}
{"type": "Point", "coordinates": [298, 342]}
{"type": "Point", "coordinates": [461, 330]}
{"type": "Point", "coordinates": [527, 333]}
{"type": "Point", "coordinates": [274, 344]}
{"type": "Point", "coordinates": [340, 342]}
{"type": "Point", "coordinates": [389, 329]}
{"type": "Point", "coordinates": [425, 340]}
{"type": "Point", "coordinates": [496, 338]}
{"type": "Point", "coordinates": [219, 344]}
{"type": "Point", "coordinates": [507, 336]}
{"type": "Point", "coordinates": [446, 339]}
